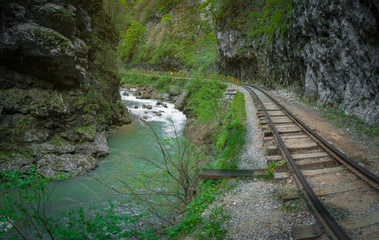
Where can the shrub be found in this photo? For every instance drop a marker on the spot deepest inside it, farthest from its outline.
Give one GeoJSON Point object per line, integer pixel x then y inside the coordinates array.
{"type": "Point", "coordinates": [130, 39]}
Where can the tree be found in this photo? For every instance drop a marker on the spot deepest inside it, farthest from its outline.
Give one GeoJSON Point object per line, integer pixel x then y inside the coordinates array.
{"type": "Point", "coordinates": [130, 39]}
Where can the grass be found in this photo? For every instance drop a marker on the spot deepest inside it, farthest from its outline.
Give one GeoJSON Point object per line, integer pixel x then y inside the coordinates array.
{"type": "Point", "coordinates": [287, 207]}
{"type": "Point", "coordinates": [232, 137]}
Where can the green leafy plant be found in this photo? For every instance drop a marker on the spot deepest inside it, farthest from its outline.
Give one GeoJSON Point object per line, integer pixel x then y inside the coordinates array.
{"type": "Point", "coordinates": [166, 18]}
{"type": "Point", "coordinates": [24, 213]}
{"type": "Point", "coordinates": [270, 169]}
{"type": "Point", "coordinates": [287, 207]}
{"type": "Point", "coordinates": [232, 137]}
{"type": "Point", "coordinates": [205, 100]}
{"type": "Point", "coordinates": [275, 16]}
{"type": "Point", "coordinates": [129, 40]}
{"type": "Point", "coordinates": [25, 204]}
{"type": "Point", "coordinates": [166, 5]}
{"type": "Point", "coordinates": [193, 220]}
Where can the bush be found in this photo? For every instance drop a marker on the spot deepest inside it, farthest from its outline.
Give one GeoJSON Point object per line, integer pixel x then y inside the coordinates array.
{"type": "Point", "coordinates": [192, 220]}
{"type": "Point", "coordinates": [163, 83]}
{"type": "Point", "coordinates": [130, 39]}
{"type": "Point", "coordinates": [26, 200]}
{"type": "Point", "coordinates": [232, 136]}
{"type": "Point", "coordinates": [274, 16]}
{"type": "Point", "coordinates": [205, 98]}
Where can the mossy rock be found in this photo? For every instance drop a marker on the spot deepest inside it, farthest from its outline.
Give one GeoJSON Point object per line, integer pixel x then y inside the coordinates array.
{"type": "Point", "coordinates": [86, 133]}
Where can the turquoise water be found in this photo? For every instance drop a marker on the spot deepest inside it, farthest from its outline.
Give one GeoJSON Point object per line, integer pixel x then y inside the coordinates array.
{"type": "Point", "coordinates": [128, 147]}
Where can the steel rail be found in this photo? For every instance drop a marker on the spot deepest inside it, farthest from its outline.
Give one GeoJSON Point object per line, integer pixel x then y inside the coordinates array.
{"type": "Point", "coordinates": [365, 174]}
{"type": "Point", "coordinates": [333, 229]}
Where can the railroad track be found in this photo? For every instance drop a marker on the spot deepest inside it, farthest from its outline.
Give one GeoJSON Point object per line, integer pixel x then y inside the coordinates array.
{"type": "Point", "coordinates": [342, 195]}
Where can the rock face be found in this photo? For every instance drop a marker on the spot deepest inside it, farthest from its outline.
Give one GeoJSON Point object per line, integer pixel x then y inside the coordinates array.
{"type": "Point", "coordinates": [58, 92]}
{"type": "Point", "coordinates": [331, 50]}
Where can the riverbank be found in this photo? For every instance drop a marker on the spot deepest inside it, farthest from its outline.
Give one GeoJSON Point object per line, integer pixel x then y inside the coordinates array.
{"type": "Point", "coordinates": [216, 123]}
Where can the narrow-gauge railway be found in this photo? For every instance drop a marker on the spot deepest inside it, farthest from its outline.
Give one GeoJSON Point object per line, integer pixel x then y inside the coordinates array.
{"type": "Point", "coordinates": [343, 196]}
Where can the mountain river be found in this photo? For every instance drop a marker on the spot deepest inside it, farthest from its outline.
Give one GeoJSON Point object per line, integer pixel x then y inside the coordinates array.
{"type": "Point", "coordinates": [127, 146]}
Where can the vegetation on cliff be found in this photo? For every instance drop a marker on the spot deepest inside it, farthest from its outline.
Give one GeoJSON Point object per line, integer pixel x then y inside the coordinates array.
{"type": "Point", "coordinates": [164, 35]}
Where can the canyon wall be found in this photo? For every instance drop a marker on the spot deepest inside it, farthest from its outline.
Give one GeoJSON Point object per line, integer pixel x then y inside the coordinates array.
{"type": "Point", "coordinates": [330, 49]}
{"type": "Point", "coordinates": [59, 91]}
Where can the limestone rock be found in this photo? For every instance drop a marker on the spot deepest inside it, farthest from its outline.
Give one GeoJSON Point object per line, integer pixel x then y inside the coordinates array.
{"type": "Point", "coordinates": [57, 98]}
{"type": "Point", "coordinates": [76, 164]}
{"type": "Point", "coordinates": [330, 51]}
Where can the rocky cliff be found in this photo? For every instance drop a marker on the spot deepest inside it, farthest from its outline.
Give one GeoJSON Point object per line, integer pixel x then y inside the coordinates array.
{"type": "Point", "coordinates": [58, 88]}
{"type": "Point", "coordinates": [329, 48]}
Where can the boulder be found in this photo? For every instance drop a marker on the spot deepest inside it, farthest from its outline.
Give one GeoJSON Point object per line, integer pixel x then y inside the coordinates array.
{"type": "Point", "coordinates": [157, 113]}
{"type": "Point", "coordinates": [50, 165]}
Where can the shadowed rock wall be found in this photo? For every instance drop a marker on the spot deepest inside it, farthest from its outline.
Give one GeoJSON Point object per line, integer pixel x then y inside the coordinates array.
{"type": "Point", "coordinates": [331, 50]}
{"type": "Point", "coordinates": [58, 88]}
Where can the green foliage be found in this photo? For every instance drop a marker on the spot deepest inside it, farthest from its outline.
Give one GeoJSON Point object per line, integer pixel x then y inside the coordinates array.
{"type": "Point", "coordinates": [24, 213]}
{"type": "Point", "coordinates": [287, 207]}
{"type": "Point", "coordinates": [134, 77]}
{"type": "Point", "coordinates": [50, 38]}
{"type": "Point", "coordinates": [270, 169]}
{"type": "Point", "coordinates": [87, 131]}
{"type": "Point", "coordinates": [205, 100]}
{"type": "Point", "coordinates": [57, 140]}
{"type": "Point", "coordinates": [64, 13]}
{"type": "Point", "coordinates": [25, 198]}
{"type": "Point", "coordinates": [163, 83]}
{"type": "Point", "coordinates": [179, 40]}
{"type": "Point", "coordinates": [166, 18]}
{"type": "Point", "coordinates": [94, 39]}
{"type": "Point", "coordinates": [166, 5]}
{"type": "Point", "coordinates": [212, 227]}
{"type": "Point", "coordinates": [130, 39]}
{"type": "Point", "coordinates": [274, 16]}
{"type": "Point", "coordinates": [232, 137]}
{"type": "Point", "coordinates": [192, 220]}
{"type": "Point", "coordinates": [94, 223]}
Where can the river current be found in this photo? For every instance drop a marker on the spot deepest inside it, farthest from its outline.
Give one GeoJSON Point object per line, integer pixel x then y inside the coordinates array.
{"type": "Point", "coordinates": [127, 146]}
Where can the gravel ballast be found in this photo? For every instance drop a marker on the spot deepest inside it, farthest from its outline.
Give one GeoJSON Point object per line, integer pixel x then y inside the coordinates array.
{"type": "Point", "coordinates": [255, 208]}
